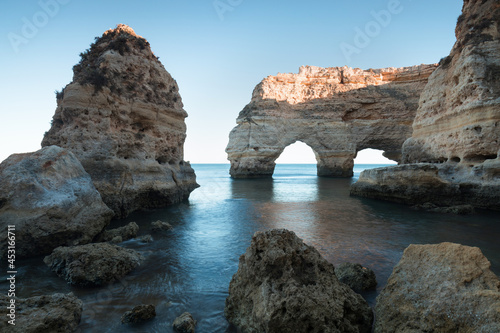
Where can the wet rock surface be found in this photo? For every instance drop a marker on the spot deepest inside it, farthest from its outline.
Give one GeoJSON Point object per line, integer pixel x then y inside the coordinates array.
{"type": "Point", "coordinates": [124, 233]}
{"type": "Point", "coordinates": [357, 277]}
{"type": "Point", "coordinates": [92, 264]}
{"type": "Point", "coordinates": [57, 313]}
{"type": "Point", "coordinates": [139, 314]}
{"type": "Point", "coordinates": [185, 323]}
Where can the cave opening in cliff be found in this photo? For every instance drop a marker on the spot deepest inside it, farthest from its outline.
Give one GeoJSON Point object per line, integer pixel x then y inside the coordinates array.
{"type": "Point", "coordinates": [372, 156]}
{"type": "Point", "coordinates": [297, 153]}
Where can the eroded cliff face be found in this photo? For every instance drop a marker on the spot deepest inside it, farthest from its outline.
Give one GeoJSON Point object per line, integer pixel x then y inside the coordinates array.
{"type": "Point", "coordinates": [123, 117]}
{"type": "Point", "coordinates": [456, 132]}
{"type": "Point", "coordinates": [337, 111]}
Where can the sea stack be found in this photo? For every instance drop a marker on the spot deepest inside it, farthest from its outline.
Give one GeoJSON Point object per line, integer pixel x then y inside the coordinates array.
{"type": "Point", "coordinates": [452, 157]}
{"type": "Point", "coordinates": [123, 117]}
{"type": "Point", "coordinates": [337, 111]}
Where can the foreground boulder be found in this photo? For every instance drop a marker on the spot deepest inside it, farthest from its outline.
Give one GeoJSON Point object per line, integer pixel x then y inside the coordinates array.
{"type": "Point", "coordinates": [139, 314]}
{"type": "Point", "coordinates": [123, 117]}
{"type": "Point", "coordinates": [57, 313]}
{"type": "Point", "coordinates": [284, 285]}
{"type": "Point", "coordinates": [51, 201]}
{"type": "Point", "coordinates": [452, 157]}
{"type": "Point", "coordinates": [357, 277]}
{"type": "Point", "coordinates": [440, 288]}
{"type": "Point", "coordinates": [92, 264]}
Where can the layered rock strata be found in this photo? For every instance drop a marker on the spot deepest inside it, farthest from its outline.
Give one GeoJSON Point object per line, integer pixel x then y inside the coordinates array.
{"type": "Point", "coordinates": [123, 117]}
{"type": "Point", "coordinates": [456, 132]}
{"type": "Point", "coordinates": [284, 285]}
{"type": "Point", "coordinates": [337, 111]}
{"type": "Point", "coordinates": [440, 288]}
{"type": "Point", "coordinates": [50, 200]}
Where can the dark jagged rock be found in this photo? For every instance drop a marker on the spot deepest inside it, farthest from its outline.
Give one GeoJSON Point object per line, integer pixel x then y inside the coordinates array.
{"type": "Point", "coordinates": [284, 285]}
{"type": "Point", "coordinates": [92, 264]}
{"type": "Point", "coordinates": [123, 233]}
{"type": "Point", "coordinates": [185, 323]}
{"type": "Point", "coordinates": [139, 314]}
{"type": "Point", "coordinates": [357, 277]}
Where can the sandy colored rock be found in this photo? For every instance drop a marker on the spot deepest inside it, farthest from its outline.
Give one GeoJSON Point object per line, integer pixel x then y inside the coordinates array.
{"type": "Point", "coordinates": [440, 288]}
{"type": "Point", "coordinates": [57, 313]}
{"type": "Point", "coordinates": [51, 201]}
{"type": "Point", "coordinates": [456, 132]}
{"type": "Point", "coordinates": [337, 111]}
{"type": "Point", "coordinates": [284, 285]}
{"type": "Point", "coordinates": [92, 264]}
{"type": "Point", "coordinates": [123, 117]}
{"type": "Point", "coordinates": [139, 314]}
{"type": "Point", "coordinates": [357, 277]}
{"type": "Point", "coordinates": [185, 323]}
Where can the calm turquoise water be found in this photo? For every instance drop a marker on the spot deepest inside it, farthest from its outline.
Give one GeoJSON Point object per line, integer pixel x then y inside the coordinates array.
{"type": "Point", "coordinates": [189, 268]}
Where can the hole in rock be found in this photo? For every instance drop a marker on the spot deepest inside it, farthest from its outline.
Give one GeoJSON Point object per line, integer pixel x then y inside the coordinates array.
{"type": "Point", "coordinates": [455, 159]}
{"type": "Point", "coordinates": [297, 153]}
{"type": "Point", "coordinates": [372, 156]}
{"type": "Point", "coordinates": [480, 158]}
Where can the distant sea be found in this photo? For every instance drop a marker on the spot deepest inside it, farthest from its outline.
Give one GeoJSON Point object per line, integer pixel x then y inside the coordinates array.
{"type": "Point", "coordinates": [190, 267]}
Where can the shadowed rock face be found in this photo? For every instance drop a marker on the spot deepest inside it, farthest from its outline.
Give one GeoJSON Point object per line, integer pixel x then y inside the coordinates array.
{"type": "Point", "coordinates": [123, 118]}
{"type": "Point", "coordinates": [440, 288]}
{"type": "Point", "coordinates": [284, 285]}
{"type": "Point", "coordinates": [337, 111]}
{"type": "Point", "coordinates": [51, 201]}
{"type": "Point", "coordinates": [456, 132]}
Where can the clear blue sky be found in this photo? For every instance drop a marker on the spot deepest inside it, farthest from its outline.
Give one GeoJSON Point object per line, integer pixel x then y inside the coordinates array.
{"type": "Point", "coordinates": [216, 50]}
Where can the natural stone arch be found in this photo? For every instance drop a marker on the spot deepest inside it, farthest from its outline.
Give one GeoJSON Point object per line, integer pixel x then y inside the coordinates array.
{"type": "Point", "coordinates": [335, 111]}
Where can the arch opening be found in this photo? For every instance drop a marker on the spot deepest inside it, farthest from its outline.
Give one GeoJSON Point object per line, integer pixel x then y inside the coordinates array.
{"type": "Point", "coordinates": [372, 156]}
{"type": "Point", "coordinates": [297, 153]}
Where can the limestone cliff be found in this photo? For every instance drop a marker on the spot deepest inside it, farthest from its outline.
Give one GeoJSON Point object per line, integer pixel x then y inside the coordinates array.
{"type": "Point", "coordinates": [337, 111]}
{"type": "Point", "coordinates": [123, 117]}
{"type": "Point", "coordinates": [457, 126]}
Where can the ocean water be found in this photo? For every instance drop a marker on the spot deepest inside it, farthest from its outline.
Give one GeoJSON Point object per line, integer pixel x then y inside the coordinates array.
{"type": "Point", "coordinates": [190, 267]}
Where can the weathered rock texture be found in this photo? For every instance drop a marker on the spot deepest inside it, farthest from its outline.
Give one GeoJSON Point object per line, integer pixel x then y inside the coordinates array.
{"type": "Point", "coordinates": [457, 123]}
{"type": "Point", "coordinates": [139, 314]}
{"type": "Point", "coordinates": [51, 201]}
{"type": "Point", "coordinates": [185, 323]}
{"type": "Point", "coordinates": [123, 118]}
{"type": "Point", "coordinates": [440, 288]}
{"type": "Point", "coordinates": [337, 111]}
{"type": "Point", "coordinates": [57, 313]}
{"type": "Point", "coordinates": [357, 277]}
{"type": "Point", "coordinates": [92, 264]}
{"type": "Point", "coordinates": [121, 234]}
{"type": "Point", "coordinates": [284, 285]}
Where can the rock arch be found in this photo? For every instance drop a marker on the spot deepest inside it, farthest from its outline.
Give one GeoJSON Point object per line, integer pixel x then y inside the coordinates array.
{"type": "Point", "coordinates": [336, 111]}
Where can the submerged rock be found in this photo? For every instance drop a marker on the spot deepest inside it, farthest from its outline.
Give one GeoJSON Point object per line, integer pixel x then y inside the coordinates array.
{"type": "Point", "coordinates": [92, 264]}
{"type": "Point", "coordinates": [284, 285]}
{"type": "Point", "coordinates": [185, 323]}
{"type": "Point", "coordinates": [51, 201]}
{"type": "Point", "coordinates": [124, 233]}
{"type": "Point", "coordinates": [440, 288]}
{"type": "Point", "coordinates": [161, 226]}
{"type": "Point", "coordinates": [357, 277]}
{"type": "Point", "coordinates": [57, 313]}
{"type": "Point", "coordinates": [123, 117]}
{"type": "Point", "coordinates": [139, 314]}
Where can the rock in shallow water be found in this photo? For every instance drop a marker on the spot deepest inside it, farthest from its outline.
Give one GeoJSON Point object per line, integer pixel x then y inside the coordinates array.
{"type": "Point", "coordinates": [440, 288]}
{"type": "Point", "coordinates": [139, 314]}
{"type": "Point", "coordinates": [57, 313]}
{"type": "Point", "coordinates": [185, 323]}
{"type": "Point", "coordinates": [92, 264]}
{"type": "Point", "coordinates": [284, 285]}
{"type": "Point", "coordinates": [123, 233]}
{"type": "Point", "coordinates": [357, 277]}
{"type": "Point", "coordinates": [51, 200]}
